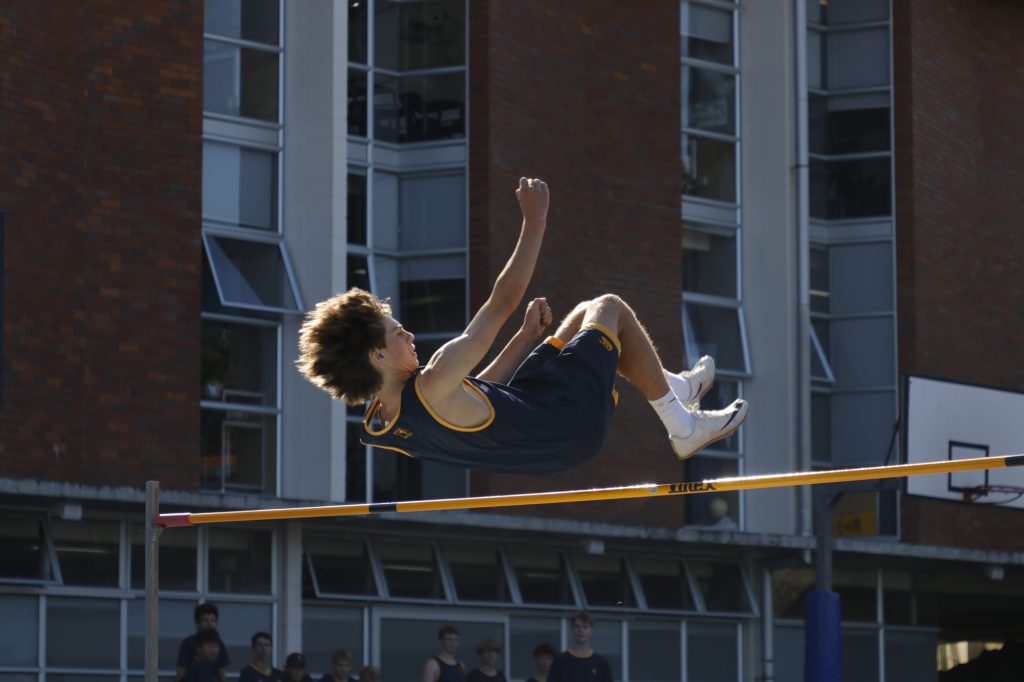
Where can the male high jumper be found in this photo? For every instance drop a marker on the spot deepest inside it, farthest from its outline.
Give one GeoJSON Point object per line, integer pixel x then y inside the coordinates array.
{"type": "Point", "coordinates": [547, 413]}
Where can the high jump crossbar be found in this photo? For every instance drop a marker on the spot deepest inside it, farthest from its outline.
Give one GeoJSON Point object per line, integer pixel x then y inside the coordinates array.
{"type": "Point", "coordinates": [640, 490]}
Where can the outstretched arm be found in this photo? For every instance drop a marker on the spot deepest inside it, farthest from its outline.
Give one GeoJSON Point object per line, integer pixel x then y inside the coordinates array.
{"type": "Point", "coordinates": [456, 359]}
{"type": "Point", "coordinates": [537, 319]}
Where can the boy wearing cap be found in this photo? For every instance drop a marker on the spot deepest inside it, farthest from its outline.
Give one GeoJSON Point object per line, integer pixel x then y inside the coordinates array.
{"type": "Point", "coordinates": [488, 649]}
{"type": "Point", "coordinates": [295, 668]}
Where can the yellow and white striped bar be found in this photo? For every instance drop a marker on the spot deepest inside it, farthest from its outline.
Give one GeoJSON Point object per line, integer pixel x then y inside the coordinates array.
{"type": "Point", "coordinates": [594, 494]}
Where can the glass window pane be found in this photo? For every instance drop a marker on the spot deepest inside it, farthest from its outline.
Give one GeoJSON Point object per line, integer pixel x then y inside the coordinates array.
{"type": "Point", "coordinates": [709, 168]}
{"type": "Point", "coordinates": [19, 630]}
{"type": "Point", "coordinates": [75, 677]}
{"type": "Point", "coordinates": [22, 677]}
{"type": "Point", "coordinates": [821, 428]}
{"type": "Point", "coordinates": [664, 583]}
{"type": "Point", "coordinates": [406, 644]}
{"type": "Point", "coordinates": [356, 208]}
{"type": "Point", "coordinates": [910, 655]}
{"type": "Point", "coordinates": [341, 566]}
{"type": "Point", "coordinates": [358, 271]}
{"type": "Point", "coordinates": [357, 85]}
{"type": "Point", "coordinates": [709, 100]}
{"type": "Point", "coordinates": [433, 294]}
{"type": "Point", "coordinates": [250, 274]}
{"type": "Point", "coordinates": [862, 425]}
{"type": "Point", "coordinates": [655, 651]}
{"type": "Point", "coordinates": [237, 623]}
{"type": "Point", "coordinates": [707, 33]}
{"type": "Point", "coordinates": [851, 189]}
{"type": "Point", "coordinates": [478, 574]}
{"type": "Point", "coordinates": [719, 510]}
{"type": "Point", "coordinates": [542, 577]}
{"type": "Point", "coordinates": [433, 212]}
{"type": "Point", "coordinates": [385, 211]}
{"type": "Point", "coordinates": [239, 363]}
{"type": "Point", "coordinates": [815, 58]}
{"type": "Point", "coordinates": [88, 551]}
{"type": "Point", "coordinates": [859, 660]}
{"type": "Point", "coordinates": [714, 331]}
{"type": "Point", "coordinates": [326, 629]}
{"type": "Point", "coordinates": [709, 263]}
{"type": "Point", "coordinates": [239, 561]}
{"type": "Point", "coordinates": [862, 352]}
{"type": "Point", "coordinates": [820, 293]}
{"type": "Point", "coordinates": [23, 550]}
{"type": "Point", "coordinates": [604, 580]}
{"type": "Point", "coordinates": [239, 451]}
{"type": "Point", "coordinates": [899, 607]}
{"type": "Point", "coordinates": [858, 59]}
{"type": "Point", "coordinates": [821, 369]}
{"type": "Point", "coordinates": [721, 585]}
{"type": "Point", "coordinates": [255, 20]}
{"type": "Point", "coordinates": [525, 634]}
{"type": "Point", "coordinates": [789, 648]}
{"type": "Point", "coordinates": [411, 570]}
{"type": "Point", "coordinates": [396, 477]}
{"type": "Point", "coordinates": [177, 569]}
{"type": "Point", "coordinates": [712, 652]}
{"type": "Point", "coordinates": [83, 633]}
{"type": "Point", "coordinates": [854, 11]}
{"type": "Point", "coordinates": [240, 81]}
{"type": "Point", "coordinates": [861, 278]}
{"type": "Point", "coordinates": [175, 622]}
{"type": "Point", "coordinates": [355, 463]}
{"type": "Point", "coordinates": [419, 35]}
{"type": "Point", "coordinates": [606, 639]}
{"type": "Point", "coordinates": [420, 108]}
{"type": "Point", "coordinates": [849, 125]}
{"type": "Point", "coordinates": [239, 185]}
{"type": "Point", "coordinates": [358, 32]}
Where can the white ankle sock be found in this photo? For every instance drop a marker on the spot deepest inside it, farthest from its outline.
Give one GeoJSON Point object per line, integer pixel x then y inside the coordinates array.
{"type": "Point", "coordinates": [677, 420]}
{"type": "Point", "coordinates": [680, 386]}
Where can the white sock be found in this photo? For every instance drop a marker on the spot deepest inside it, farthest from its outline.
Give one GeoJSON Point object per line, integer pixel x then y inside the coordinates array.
{"type": "Point", "coordinates": [680, 386]}
{"type": "Point", "coordinates": [677, 420]}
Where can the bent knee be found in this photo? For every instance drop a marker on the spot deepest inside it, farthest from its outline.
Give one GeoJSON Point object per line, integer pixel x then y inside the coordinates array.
{"type": "Point", "coordinates": [607, 301]}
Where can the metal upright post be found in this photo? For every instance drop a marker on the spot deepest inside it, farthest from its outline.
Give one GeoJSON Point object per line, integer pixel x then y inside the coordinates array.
{"type": "Point", "coordinates": [153, 532]}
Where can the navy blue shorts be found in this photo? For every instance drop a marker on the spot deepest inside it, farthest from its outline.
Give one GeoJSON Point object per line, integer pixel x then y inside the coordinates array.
{"type": "Point", "coordinates": [576, 382]}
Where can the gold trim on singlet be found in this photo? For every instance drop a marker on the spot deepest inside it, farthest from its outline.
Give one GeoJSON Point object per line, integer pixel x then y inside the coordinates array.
{"type": "Point", "coordinates": [453, 427]}
{"type": "Point", "coordinates": [372, 412]}
{"type": "Point", "coordinates": [388, 447]}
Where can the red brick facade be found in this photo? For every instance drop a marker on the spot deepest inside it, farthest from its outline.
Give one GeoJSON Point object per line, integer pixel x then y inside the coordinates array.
{"type": "Point", "coordinates": [959, 184]}
{"type": "Point", "coordinates": [563, 92]}
{"type": "Point", "coordinates": [101, 104]}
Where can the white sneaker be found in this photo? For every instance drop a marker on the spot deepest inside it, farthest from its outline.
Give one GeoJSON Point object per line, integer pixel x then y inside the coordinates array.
{"type": "Point", "coordinates": [710, 426]}
{"type": "Point", "coordinates": [699, 377]}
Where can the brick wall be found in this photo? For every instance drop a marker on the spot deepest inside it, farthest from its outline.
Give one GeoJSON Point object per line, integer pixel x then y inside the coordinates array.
{"type": "Point", "coordinates": [586, 96]}
{"type": "Point", "coordinates": [101, 103]}
{"type": "Point", "coordinates": [959, 95]}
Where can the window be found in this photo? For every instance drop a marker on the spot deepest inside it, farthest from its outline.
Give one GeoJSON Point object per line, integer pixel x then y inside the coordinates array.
{"type": "Point", "coordinates": [327, 628]}
{"type": "Point", "coordinates": [248, 281]}
{"type": "Point", "coordinates": [525, 633]}
{"type": "Point", "coordinates": [341, 566]}
{"type": "Point", "coordinates": [722, 586]}
{"type": "Point", "coordinates": [83, 633]}
{"type": "Point", "coordinates": [478, 574]}
{"type": "Point", "coordinates": [605, 580]}
{"type": "Point", "coordinates": [178, 556]}
{"type": "Point", "coordinates": [239, 561]}
{"type": "Point", "coordinates": [19, 630]}
{"type": "Point", "coordinates": [26, 552]}
{"type": "Point", "coordinates": [655, 651]}
{"type": "Point", "coordinates": [543, 577]}
{"type": "Point", "coordinates": [664, 584]}
{"type": "Point", "coordinates": [411, 570]}
{"type": "Point", "coordinates": [88, 551]}
{"type": "Point", "coordinates": [712, 652]}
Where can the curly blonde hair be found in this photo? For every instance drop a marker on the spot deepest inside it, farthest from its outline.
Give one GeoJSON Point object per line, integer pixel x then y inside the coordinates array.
{"type": "Point", "coordinates": [335, 342]}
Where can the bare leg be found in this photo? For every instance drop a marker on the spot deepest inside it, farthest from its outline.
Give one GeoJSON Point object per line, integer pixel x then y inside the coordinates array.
{"type": "Point", "coordinates": [570, 326]}
{"type": "Point", "coordinates": [638, 360]}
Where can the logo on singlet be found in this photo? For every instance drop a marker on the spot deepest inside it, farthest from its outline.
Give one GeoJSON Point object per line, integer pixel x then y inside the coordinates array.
{"type": "Point", "coordinates": [606, 343]}
{"type": "Point", "coordinates": [403, 433]}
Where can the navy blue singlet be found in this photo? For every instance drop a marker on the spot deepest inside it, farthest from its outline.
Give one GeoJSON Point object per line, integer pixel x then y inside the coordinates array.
{"type": "Point", "coordinates": [552, 415]}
